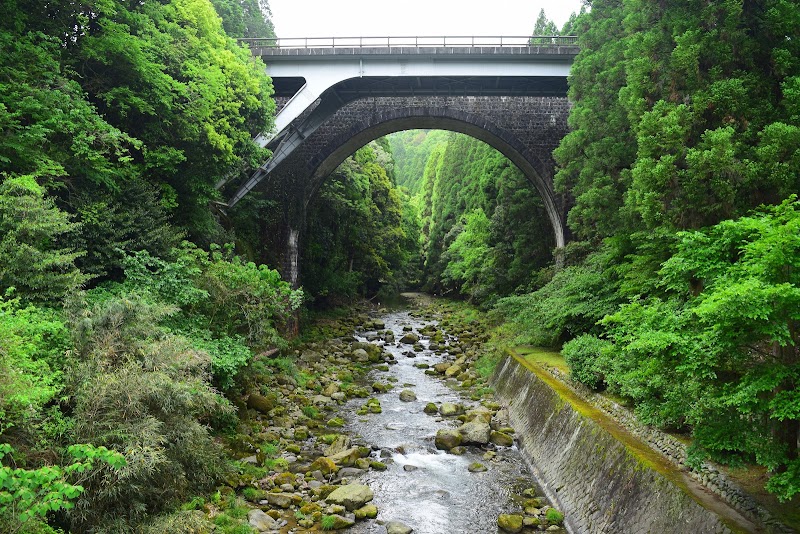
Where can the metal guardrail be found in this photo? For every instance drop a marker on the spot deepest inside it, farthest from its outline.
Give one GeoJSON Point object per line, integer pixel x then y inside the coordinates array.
{"type": "Point", "coordinates": [416, 42]}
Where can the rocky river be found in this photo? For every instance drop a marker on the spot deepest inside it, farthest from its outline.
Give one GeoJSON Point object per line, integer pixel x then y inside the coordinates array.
{"type": "Point", "coordinates": [391, 428]}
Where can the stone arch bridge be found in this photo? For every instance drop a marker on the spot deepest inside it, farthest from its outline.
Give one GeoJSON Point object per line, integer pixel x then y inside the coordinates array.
{"type": "Point", "coordinates": [335, 95]}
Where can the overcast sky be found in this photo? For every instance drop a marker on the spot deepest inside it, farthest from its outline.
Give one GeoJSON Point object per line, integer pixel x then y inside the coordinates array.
{"type": "Point", "coordinates": [361, 18]}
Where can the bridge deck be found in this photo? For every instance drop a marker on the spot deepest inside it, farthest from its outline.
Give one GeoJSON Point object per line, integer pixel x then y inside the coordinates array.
{"type": "Point", "coordinates": [526, 47]}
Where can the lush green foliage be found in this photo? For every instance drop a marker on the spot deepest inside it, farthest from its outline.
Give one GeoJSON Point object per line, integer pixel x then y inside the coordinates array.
{"type": "Point", "coordinates": [411, 150]}
{"type": "Point", "coordinates": [684, 120]}
{"type": "Point", "coordinates": [31, 365]}
{"type": "Point", "coordinates": [504, 247]}
{"type": "Point", "coordinates": [358, 241]}
{"type": "Point", "coordinates": [117, 120]}
{"type": "Point", "coordinates": [28, 495]}
{"type": "Point", "coordinates": [728, 340]}
{"type": "Point", "coordinates": [31, 261]}
{"type": "Point", "coordinates": [163, 96]}
{"type": "Point", "coordinates": [585, 357]}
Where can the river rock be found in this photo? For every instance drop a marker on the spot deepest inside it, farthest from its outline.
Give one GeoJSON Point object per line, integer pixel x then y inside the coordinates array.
{"type": "Point", "coordinates": [368, 511]}
{"type": "Point", "coordinates": [448, 409]}
{"type": "Point", "coordinates": [430, 409]}
{"type": "Point", "coordinates": [476, 467]}
{"type": "Point", "coordinates": [409, 338]}
{"type": "Point", "coordinates": [261, 403]}
{"type": "Point", "coordinates": [281, 500]}
{"type": "Point", "coordinates": [340, 443]}
{"type": "Point", "coordinates": [339, 522]}
{"type": "Point", "coordinates": [475, 432]}
{"type": "Point", "coordinates": [396, 527]}
{"type": "Point", "coordinates": [500, 419]}
{"type": "Point", "coordinates": [407, 395]}
{"type": "Point", "coordinates": [380, 387]}
{"type": "Point", "coordinates": [261, 521]}
{"type": "Point", "coordinates": [330, 389]}
{"type": "Point", "coordinates": [320, 400]}
{"type": "Point", "coordinates": [347, 456]}
{"type": "Point", "coordinates": [447, 438]}
{"type": "Point", "coordinates": [479, 414]}
{"type": "Point", "coordinates": [510, 522]}
{"type": "Point", "coordinates": [360, 355]}
{"type": "Point", "coordinates": [442, 367]}
{"type": "Point", "coordinates": [501, 439]}
{"type": "Point", "coordinates": [351, 496]}
{"type": "Point", "coordinates": [311, 356]}
{"type": "Point", "coordinates": [324, 465]}
{"type": "Point", "coordinates": [452, 370]}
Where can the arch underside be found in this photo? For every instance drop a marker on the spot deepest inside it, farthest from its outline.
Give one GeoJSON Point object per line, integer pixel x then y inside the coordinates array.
{"type": "Point", "coordinates": [332, 154]}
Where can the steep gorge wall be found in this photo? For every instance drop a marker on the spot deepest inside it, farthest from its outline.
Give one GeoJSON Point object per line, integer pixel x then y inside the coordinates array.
{"type": "Point", "coordinates": [601, 483]}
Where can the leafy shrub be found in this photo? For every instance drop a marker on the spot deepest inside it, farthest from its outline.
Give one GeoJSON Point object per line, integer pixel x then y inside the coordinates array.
{"type": "Point", "coordinates": [28, 495]}
{"type": "Point", "coordinates": [145, 392]}
{"type": "Point", "coordinates": [569, 305]}
{"type": "Point", "coordinates": [584, 355]}
{"type": "Point", "coordinates": [229, 355]}
{"type": "Point", "coordinates": [34, 341]}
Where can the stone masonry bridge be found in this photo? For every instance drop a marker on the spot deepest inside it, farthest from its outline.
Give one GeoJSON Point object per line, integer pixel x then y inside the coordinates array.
{"type": "Point", "coordinates": [335, 95]}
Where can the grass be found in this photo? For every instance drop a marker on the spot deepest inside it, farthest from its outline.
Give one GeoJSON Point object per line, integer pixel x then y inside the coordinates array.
{"type": "Point", "coordinates": [542, 355]}
{"type": "Point", "coordinates": [328, 522]}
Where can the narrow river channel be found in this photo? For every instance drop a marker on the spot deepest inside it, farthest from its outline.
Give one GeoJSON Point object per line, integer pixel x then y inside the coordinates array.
{"type": "Point", "coordinates": [430, 490]}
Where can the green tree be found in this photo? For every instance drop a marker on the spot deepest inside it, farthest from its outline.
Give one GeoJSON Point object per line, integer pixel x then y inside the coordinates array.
{"type": "Point", "coordinates": [728, 340]}
{"type": "Point", "coordinates": [31, 260]}
{"type": "Point", "coordinates": [469, 256]}
{"type": "Point", "coordinates": [245, 18]}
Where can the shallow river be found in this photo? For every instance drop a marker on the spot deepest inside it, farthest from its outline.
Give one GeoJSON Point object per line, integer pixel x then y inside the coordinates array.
{"type": "Point", "coordinates": [429, 490]}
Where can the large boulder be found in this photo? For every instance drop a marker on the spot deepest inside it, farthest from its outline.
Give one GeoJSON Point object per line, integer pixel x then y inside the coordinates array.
{"type": "Point", "coordinates": [351, 496]}
{"type": "Point", "coordinates": [510, 522]}
{"type": "Point", "coordinates": [447, 438]}
{"type": "Point", "coordinates": [261, 521]}
{"type": "Point", "coordinates": [281, 500]}
{"type": "Point", "coordinates": [407, 395]}
{"type": "Point", "coordinates": [452, 370]}
{"type": "Point", "coordinates": [340, 443]}
{"type": "Point", "coordinates": [261, 403]}
{"type": "Point", "coordinates": [475, 432]}
{"type": "Point", "coordinates": [360, 355]}
{"type": "Point", "coordinates": [480, 413]}
{"type": "Point", "coordinates": [448, 409]}
{"type": "Point", "coordinates": [396, 527]}
{"type": "Point", "coordinates": [409, 338]}
{"type": "Point", "coordinates": [347, 456]}
{"type": "Point", "coordinates": [501, 439]}
{"type": "Point", "coordinates": [339, 522]}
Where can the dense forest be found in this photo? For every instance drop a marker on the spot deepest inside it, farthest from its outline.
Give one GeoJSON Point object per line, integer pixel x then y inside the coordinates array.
{"type": "Point", "coordinates": [133, 314]}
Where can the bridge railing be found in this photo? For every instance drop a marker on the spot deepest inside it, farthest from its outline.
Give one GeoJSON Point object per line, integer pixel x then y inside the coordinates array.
{"type": "Point", "coordinates": [411, 41]}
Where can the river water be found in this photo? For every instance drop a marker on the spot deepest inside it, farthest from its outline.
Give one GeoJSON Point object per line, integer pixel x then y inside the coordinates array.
{"type": "Point", "coordinates": [431, 491]}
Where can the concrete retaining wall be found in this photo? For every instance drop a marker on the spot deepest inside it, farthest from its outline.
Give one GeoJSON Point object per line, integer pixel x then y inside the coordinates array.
{"type": "Point", "coordinates": [601, 483]}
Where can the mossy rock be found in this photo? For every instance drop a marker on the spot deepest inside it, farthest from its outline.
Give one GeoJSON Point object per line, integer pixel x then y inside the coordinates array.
{"type": "Point", "coordinates": [510, 523]}
{"type": "Point", "coordinates": [476, 467]}
{"type": "Point", "coordinates": [324, 465]}
{"type": "Point", "coordinates": [261, 403]}
{"type": "Point", "coordinates": [431, 409]}
{"type": "Point", "coordinates": [336, 422]}
{"type": "Point", "coordinates": [368, 511]}
{"type": "Point", "coordinates": [501, 439]}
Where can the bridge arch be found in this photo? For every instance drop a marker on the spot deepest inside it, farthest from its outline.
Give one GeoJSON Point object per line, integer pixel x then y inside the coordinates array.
{"type": "Point", "coordinates": [377, 125]}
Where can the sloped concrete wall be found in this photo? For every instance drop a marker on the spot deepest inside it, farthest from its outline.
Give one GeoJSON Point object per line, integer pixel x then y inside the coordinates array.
{"type": "Point", "coordinates": [600, 484]}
